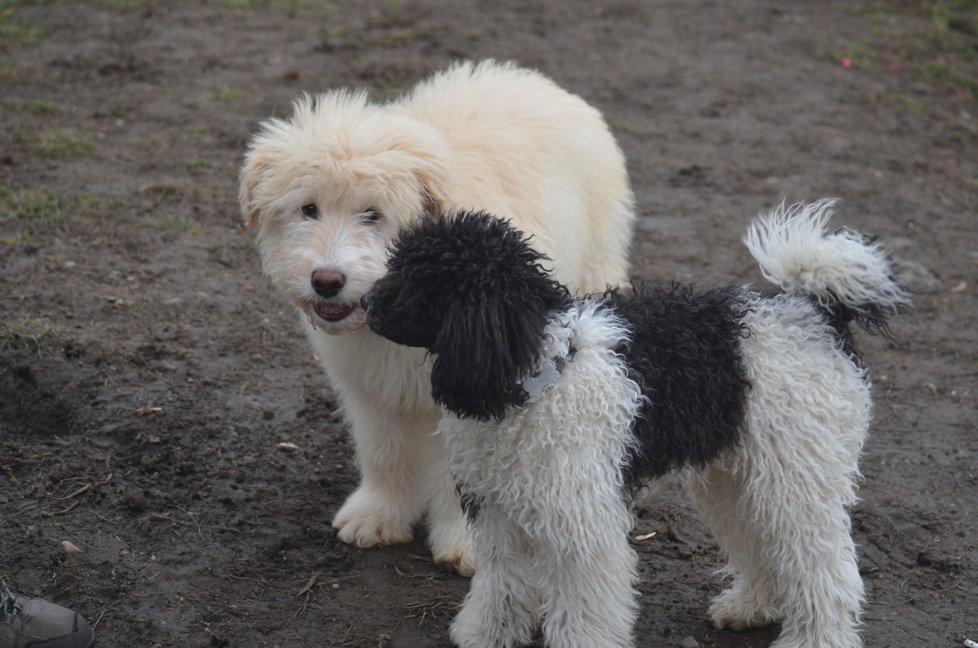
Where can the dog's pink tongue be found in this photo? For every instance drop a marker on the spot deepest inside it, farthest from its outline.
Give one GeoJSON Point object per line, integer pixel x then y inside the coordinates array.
{"type": "Point", "coordinates": [333, 312]}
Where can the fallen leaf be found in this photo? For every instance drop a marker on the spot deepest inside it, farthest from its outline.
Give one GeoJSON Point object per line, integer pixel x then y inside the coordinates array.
{"type": "Point", "coordinates": [961, 287]}
{"type": "Point", "coordinates": [285, 445]}
{"type": "Point", "coordinates": [143, 411]}
{"type": "Point", "coordinates": [644, 536]}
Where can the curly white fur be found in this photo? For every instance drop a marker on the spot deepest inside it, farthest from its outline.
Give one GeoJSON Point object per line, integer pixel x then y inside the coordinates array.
{"type": "Point", "coordinates": [795, 253]}
{"type": "Point", "coordinates": [552, 533]}
{"type": "Point", "coordinates": [553, 512]}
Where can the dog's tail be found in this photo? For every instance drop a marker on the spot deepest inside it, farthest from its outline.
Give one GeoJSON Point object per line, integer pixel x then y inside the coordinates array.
{"type": "Point", "coordinates": [846, 273]}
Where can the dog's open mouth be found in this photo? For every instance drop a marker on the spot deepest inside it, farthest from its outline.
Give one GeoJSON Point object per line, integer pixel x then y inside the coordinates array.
{"type": "Point", "coordinates": [332, 312]}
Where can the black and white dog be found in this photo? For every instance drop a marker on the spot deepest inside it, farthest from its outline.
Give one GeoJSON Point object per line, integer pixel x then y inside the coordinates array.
{"type": "Point", "coordinates": [561, 407]}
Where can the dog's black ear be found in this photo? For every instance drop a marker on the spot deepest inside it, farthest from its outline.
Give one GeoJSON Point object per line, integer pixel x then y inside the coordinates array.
{"type": "Point", "coordinates": [490, 339]}
{"type": "Point", "coordinates": [482, 353]}
{"type": "Point", "coordinates": [488, 296]}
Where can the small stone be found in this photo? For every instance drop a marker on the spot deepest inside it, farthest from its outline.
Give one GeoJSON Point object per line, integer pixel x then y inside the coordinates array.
{"type": "Point", "coordinates": [689, 642]}
{"type": "Point", "coordinates": [70, 547]}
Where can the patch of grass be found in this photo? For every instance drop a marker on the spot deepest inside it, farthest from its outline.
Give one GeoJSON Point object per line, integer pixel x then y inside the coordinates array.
{"type": "Point", "coordinates": [168, 190]}
{"type": "Point", "coordinates": [956, 17]}
{"type": "Point", "coordinates": [288, 5]}
{"type": "Point", "coordinates": [225, 93]}
{"type": "Point", "coordinates": [387, 39]}
{"type": "Point", "coordinates": [10, 69]}
{"type": "Point", "coordinates": [940, 71]}
{"type": "Point", "coordinates": [334, 31]}
{"type": "Point", "coordinates": [932, 40]}
{"type": "Point", "coordinates": [621, 125]}
{"type": "Point", "coordinates": [121, 5]}
{"type": "Point", "coordinates": [393, 8]}
{"type": "Point", "coordinates": [32, 206]}
{"type": "Point", "coordinates": [62, 144]}
{"type": "Point", "coordinates": [194, 164]}
{"type": "Point", "coordinates": [12, 30]}
{"type": "Point", "coordinates": [34, 335]}
{"type": "Point", "coordinates": [916, 106]}
{"type": "Point", "coordinates": [88, 204]}
{"type": "Point", "coordinates": [20, 238]}
{"type": "Point", "coordinates": [184, 225]}
{"type": "Point", "coordinates": [31, 106]}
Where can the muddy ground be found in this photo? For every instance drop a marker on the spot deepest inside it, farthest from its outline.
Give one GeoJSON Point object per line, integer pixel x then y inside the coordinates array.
{"type": "Point", "coordinates": [147, 373]}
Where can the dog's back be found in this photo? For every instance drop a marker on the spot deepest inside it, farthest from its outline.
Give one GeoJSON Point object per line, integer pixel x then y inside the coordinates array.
{"type": "Point", "coordinates": [521, 141]}
{"type": "Point", "coordinates": [702, 357]}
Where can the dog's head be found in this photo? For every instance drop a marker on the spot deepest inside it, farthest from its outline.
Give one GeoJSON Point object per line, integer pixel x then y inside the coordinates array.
{"type": "Point", "coordinates": [328, 189]}
{"type": "Point", "coordinates": [471, 290]}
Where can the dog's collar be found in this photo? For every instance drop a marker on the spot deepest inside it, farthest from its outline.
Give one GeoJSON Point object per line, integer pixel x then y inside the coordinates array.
{"type": "Point", "coordinates": [548, 375]}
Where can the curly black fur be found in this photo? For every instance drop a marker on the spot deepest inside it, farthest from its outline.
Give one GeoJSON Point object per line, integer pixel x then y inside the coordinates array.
{"type": "Point", "coordinates": [684, 352]}
{"type": "Point", "coordinates": [471, 503]}
{"type": "Point", "coordinates": [873, 318]}
{"type": "Point", "coordinates": [471, 290]}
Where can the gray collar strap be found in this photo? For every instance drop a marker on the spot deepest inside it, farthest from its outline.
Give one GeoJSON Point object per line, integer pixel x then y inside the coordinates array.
{"type": "Point", "coordinates": [548, 376]}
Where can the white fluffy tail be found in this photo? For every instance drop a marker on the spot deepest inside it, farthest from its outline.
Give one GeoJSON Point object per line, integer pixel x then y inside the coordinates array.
{"type": "Point", "coordinates": [843, 268]}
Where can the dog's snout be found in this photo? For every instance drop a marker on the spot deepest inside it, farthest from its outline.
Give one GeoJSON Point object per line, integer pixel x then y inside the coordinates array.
{"type": "Point", "coordinates": [328, 282]}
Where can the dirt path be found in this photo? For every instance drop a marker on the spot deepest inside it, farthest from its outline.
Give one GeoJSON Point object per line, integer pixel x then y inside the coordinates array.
{"type": "Point", "coordinates": [127, 282]}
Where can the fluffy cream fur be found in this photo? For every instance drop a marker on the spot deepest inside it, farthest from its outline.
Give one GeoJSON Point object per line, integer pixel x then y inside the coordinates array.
{"type": "Point", "coordinates": [482, 136]}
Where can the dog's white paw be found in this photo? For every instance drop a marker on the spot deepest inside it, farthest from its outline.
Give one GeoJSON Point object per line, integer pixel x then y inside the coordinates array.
{"type": "Point", "coordinates": [367, 520]}
{"type": "Point", "coordinates": [461, 557]}
{"type": "Point", "coordinates": [451, 542]}
{"type": "Point", "coordinates": [465, 635]}
{"type": "Point", "coordinates": [496, 617]}
{"type": "Point", "coordinates": [471, 629]}
{"type": "Point", "coordinates": [738, 609]}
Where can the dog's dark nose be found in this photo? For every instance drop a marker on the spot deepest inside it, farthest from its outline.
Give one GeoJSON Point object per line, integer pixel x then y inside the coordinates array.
{"type": "Point", "coordinates": [328, 281]}
{"type": "Point", "coordinates": [365, 301]}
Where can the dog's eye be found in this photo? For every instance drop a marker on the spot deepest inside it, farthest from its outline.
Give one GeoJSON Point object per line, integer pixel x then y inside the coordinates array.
{"type": "Point", "coordinates": [370, 215]}
{"type": "Point", "coordinates": [310, 211]}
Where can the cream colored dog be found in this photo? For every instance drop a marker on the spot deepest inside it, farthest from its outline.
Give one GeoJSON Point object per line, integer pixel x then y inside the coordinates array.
{"type": "Point", "coordinates": [330, 187]}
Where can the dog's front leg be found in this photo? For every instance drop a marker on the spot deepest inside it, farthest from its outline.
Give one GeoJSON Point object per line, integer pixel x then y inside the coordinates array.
{"type": "Point", "coordinates": [587, 568]}
{"type": "Point", "coordinates": [501, 609]}
{"type": "Point", "coordinates": [392, 452]}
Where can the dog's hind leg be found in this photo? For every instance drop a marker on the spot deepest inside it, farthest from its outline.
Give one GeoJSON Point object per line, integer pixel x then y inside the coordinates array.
{"type": "Point", "coordinates": [797, 481]}
{"type": "Point", "coordinates": [749, 601]}
{"type": "Point", "coordinates": [804, 530]}
{"type": "Point", "coordinates": [779, 500]}
{"type": "Point", "coordinates": [501, 609]}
